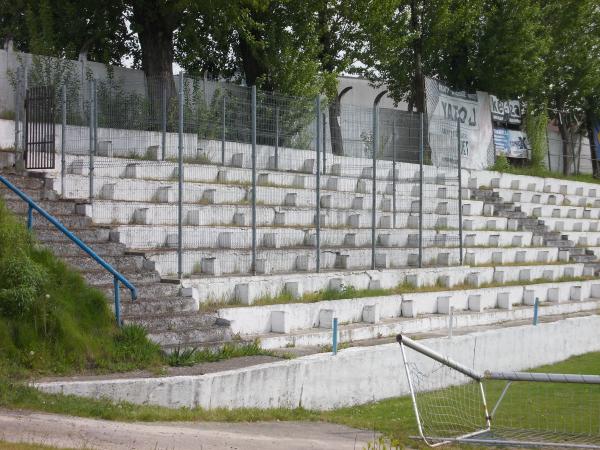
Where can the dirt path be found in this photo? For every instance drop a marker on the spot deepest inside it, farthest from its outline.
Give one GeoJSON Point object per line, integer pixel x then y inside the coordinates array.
{"type": "Point", "coordinates": [76, 432]}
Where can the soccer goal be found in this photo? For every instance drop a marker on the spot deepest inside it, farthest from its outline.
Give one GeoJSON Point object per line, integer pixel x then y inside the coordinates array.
{"type": "Point", "coordinates": [454, 403]}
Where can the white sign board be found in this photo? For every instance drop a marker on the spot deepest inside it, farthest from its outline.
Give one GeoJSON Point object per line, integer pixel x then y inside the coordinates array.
{"type": "Point", "coordinates": [445, 108]}
{"type": "Point", "coordinates": [506, 111]}
{"type": "Point", "coordinates": [511, 143]}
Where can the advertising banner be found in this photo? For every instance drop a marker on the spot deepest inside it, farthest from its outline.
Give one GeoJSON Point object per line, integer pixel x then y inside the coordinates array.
{"type": "Point", "coordinates": [513, 144]}
{"type": "Point", "coordinates": [444, 109]}
{"type": "Point", "coordinates": [508, 111]}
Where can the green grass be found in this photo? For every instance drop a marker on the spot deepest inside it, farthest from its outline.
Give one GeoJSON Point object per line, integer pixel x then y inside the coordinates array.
{"type": "Point", "coordinates": [26, 446]}
{"type": "Point", "coordinates": [190, 357]}
{"type": "Point", "coordinates": [393, 417]}
{"type": "Point", "coordinates": [51, 321]}
{"type": "Point", "coordinates": [544, 173]}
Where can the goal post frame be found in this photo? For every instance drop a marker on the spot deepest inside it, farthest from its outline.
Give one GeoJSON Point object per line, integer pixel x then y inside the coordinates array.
{"type": "Point", "coordinates": [508, 376]}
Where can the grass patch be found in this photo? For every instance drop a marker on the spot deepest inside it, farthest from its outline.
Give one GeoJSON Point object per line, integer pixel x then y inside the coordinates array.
{"type": "Point", "coordinates": [542, 172]}
{"type": "Point", "coordinates": [189, 357]}
{"type": "Point", "coordinates": [27, 446]}
{"type": "Point", "coordinates": [51, 321]}
{"type": "Point", "coordinates": [393, 417]}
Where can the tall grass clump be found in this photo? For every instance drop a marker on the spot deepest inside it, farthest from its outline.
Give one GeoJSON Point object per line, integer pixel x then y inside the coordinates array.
{"type": "Point", "coordinates": [51, 321]}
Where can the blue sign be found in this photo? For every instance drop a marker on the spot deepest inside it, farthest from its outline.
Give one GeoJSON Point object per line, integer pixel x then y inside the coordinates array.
{"type": "Point", "coordinates": [596, 133]}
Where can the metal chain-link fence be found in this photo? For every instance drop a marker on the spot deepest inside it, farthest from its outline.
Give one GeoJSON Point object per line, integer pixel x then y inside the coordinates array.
{"type": "Point", "coordinates": [210, 178]}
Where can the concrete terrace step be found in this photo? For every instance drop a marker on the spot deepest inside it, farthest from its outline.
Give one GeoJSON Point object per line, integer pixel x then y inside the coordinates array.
{"type": "Point", "coordinates": [90, 236]}
{"type": "Point", "coordinates": [157, 305]}
{"type": "Point", "coordinates": [123, 263]}
{"type": "Point", "coordinates": [355, 332]}
{"type": "Point", "coordinates": [285, 318]}
{"type": "Point", "coordinates": [68, 248]}
{"type": "Point", "coordinates": [53, 207]}
{"type": "Point", "coordinates": [157, 323]}
{"type": "Point", "coordinates": [209, 335]}
{"type": "Point", "coordinates": [101, 277]}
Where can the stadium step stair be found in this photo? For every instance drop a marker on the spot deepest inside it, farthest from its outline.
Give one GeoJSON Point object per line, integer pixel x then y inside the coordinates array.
{"type": "Point", "coordinates": [170, 320]}
{"type": "Point", "coordinates": [493, 202]}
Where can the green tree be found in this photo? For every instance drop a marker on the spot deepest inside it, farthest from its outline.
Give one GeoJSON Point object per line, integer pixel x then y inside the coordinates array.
{"type": "Point", "coordinates": [572, 76]}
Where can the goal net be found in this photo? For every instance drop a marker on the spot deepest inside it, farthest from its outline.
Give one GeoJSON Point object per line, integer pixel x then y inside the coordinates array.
{"type": "Point", "coordinates": [454, 403]}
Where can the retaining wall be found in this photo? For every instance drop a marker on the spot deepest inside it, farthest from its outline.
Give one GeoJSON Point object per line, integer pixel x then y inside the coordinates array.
{"type": "Point", "coordinates": [354, 376]}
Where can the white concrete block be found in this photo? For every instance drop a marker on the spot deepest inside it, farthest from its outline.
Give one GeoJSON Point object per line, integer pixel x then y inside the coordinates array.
{"type": "Point", "coordinates": [381, 261]}
{"type": "Point", "coordinates": [563, 255]}
{"type": "Point", "coordinates": [225, 239]}
{"type": "Point", "coordinates": [491, 224]}
{"type": "Point", "coordinates": [271, 240]}
{"type": "Point", "coordinates": [415, 280]}
{"type": "Point", "coordinates": [210, 266]}
{"type": "Point", "coordinates": [517, 241]}
{"type": "Point", "coordinates": [105, 148]}
{"type": "Point", "coordinates": [516, 197]}
{"type": "Point", "coordinates": [445, 281]}
{"type": "Point", "coordinates": [332, 184]}
{"type": "Point", "coordinates": [525, 275]}
{"type": "Point", "coordinates": [350, 239]}
{"type": "Point", "coordinates": [442, 192]}
{"type": "Point", "coordinates": [336, 169]}
{"type": "Point", "coordinates": [336, 284]}
{"type": "Point", "coordinates": [370, 313]}
{"type": "Point", "coordinates": [443, 304]}
{"type": "Point", "coordinates": [108, 190]}
{"type": "Point", "coordinates": [342, 260]}
{"type": "Point", "coordinates": [279, 218]}
{"type": "Point", "coordinates": [239, 219]}
{"type": "Point", "coordinates": [537, 241]}
{"type": "Point", "coordinates": [575, 294]}
{"type": "Point", "coordinates": [263, 266]}
{"type": "Point", "coordinates": [245, 293]}
{"type": "Point", "coordinates": [587, 213]}
{"type": "Point", "coordinates": [374, 284]}
{"type": "Point", "coordinates": [141, 216]}
{"type": "Point", "coordinates": [280, 322]}
{"type": "Point", "coordinates": [302, 263]}
{"type": "Point", "coordinates": [543, 256]}
{"type": "Point", "coordinates": [152, 152]}
{"type": "Point", "coordinates": [357, 203]}
{"type": "Point", "coordinates": [521, 256]}
{"type": "Point", "coordinates": [443, 259]}
{"type": "Point", "coordinates": [499, 276]}
{"type": "Point", "coordinates": [473, 279]}
{"type": "Point", "coordinates": [469, 240]}
{"type": "Point", "coordinates": [531, 187]}
{"type": "Point", "coordinates": [548, 274]}
{"type": "Point", "coordinates": [467, 209]}
{"type": "Point", "coordinates": [551, 200]}
{"type": "Point", "coordinates": [165, 194]}
{"type": "Point", "coordinates": [497, 258]}
{"type": "Point", "coordinates": [291, 199]}
{"type": "Point", "coordinates": [554, 295]}
{"type": "Point", "coordinates": [475, 303]}
{"type": "Point", "coordinates": [536, 198]}
{"type": "Point", "coordinates": [529, 296]}
{"type": "Point", "coordinates": [354, 221]}
{"type": "Point", "coordinates": [514, 184]}
{"type": "Point", "coordinates": [503, 300]}
{"type": "Point", "coordinates": [300, 181]}
{"type": "Point", "coordinates": [308, 166]}
{"type": "Point", "coordinates": [442, 208]}
{"type": "Point", "coordinates": [294, 288]}
{"type": "Point", "coordinates": [571, 213]}
{"type": "Point", "coordinates": [569, 272]}
{"type": "Point", "coordinates": [556, 212]}
{"type": "Point", "coordinates": [237, 160]}
{"type": "Point", "coordinates": [512, 225]}
{"type": "Point", "coordinates": [488, 210]}
{"type": "Point", "coordinates": [326, 318]}
{"type": "Point", "coordinates": [588, 271]}
{"type": "Point", "coordinates": [385, 222]}
{"type": "Point", "coordinates": [409, 308]}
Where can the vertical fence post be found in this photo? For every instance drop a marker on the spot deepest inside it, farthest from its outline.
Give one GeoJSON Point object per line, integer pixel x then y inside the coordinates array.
{"type": "Point", "coordinates": [460, 218]}
{"type": "Point", "coordinates": [374, 182]}
{"type": "Point", "coordinates": [23, 100]}
{"type": "Point", "coordinates": [277, 137]}
{"type": "Point", "coordinates": [117, 300]}
{"type": "Point", "coordinates": [164, 118]}
{"type": "Point", "coordinates": [536, 306]}
{"type": "Point", "coordinates": [421, 152]}
{"type": "Point", "coordinates": [394, 172]}
{"type": "Point", "coordinates": [318, 185]}
{"type": "Point", "coordinates": [17, 112]}
{"type": "Point", "coordinates": [92, 138]}
{"type": "Point", "coordinates": [180, 179]}
{"type": "Point", "coordinates": [254, 180]}
{"type": "Point", "coordinates": [324, 143]}
{"type": "Point", "coordinates": [223, 128]}
{"type": "Point", "coordinates": [334, 335]}
{"type": "Point", "coordinates": [63, 139]}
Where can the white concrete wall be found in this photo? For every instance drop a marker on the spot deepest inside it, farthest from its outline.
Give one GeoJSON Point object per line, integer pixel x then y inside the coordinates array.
{"type": "Point", "coordinates": [354, 376]}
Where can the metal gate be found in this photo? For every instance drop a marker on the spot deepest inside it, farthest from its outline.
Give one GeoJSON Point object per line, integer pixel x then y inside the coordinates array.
{"type": "Point", "coordinates": [39, 128]}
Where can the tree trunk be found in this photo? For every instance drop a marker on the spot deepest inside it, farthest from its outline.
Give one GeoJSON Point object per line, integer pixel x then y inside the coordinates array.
{"type": "Point", "coordinates": [155, 25]}
{"type": "Point", "coordinates": [337, 144]}
{"type": "Point", "coordinates": [562, 128]}
{"type": "Point", "coordinates": [419, 77]}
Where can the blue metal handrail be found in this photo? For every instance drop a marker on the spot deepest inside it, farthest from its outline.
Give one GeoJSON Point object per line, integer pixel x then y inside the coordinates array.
{"type": "Point", "coordinates": [117, 276]}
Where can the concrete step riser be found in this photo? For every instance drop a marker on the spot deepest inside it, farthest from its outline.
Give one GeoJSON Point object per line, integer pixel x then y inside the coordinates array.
{"type": "Point", "coordinates": [123, 264]}
{"type": "Point", "coordinates": [173, 322]}
{"type": "Point", "coordinates": [194, 336]}
{"type": "Point", "coordinates": [67, 249]}
{"type": "Point", "coordinates": [96, 278]}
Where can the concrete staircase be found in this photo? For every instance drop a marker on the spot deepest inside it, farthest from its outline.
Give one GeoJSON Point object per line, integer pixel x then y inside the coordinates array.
{"type": "Point", "coordinates": [170, 319]}
{"type": "Point", "coordinates": [523, 222]}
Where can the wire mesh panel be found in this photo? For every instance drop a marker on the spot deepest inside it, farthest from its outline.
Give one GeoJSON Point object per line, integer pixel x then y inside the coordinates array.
{"type": "Point", "coordinates": [454, 403]}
